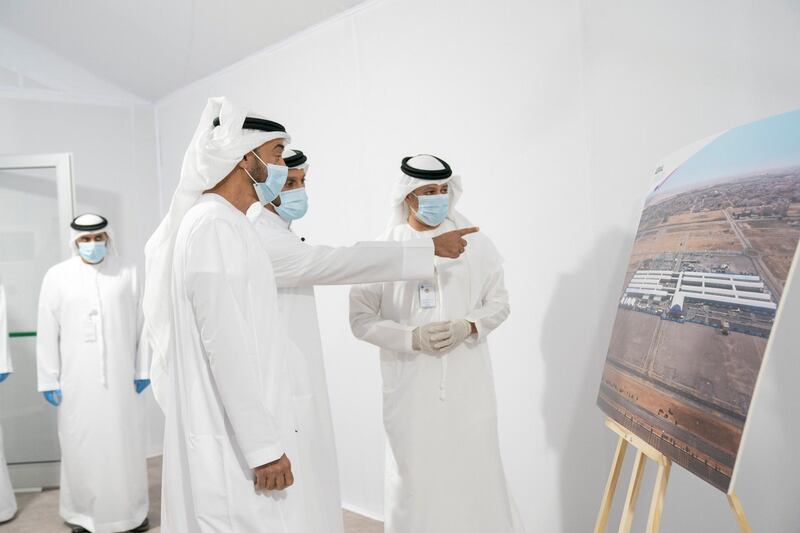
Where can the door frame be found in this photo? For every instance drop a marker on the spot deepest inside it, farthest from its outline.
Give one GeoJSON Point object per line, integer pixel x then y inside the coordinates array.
{"type": "Point", "coordinates": [46, 473]}
{"type": "Point", "coordinates": [65, 185]}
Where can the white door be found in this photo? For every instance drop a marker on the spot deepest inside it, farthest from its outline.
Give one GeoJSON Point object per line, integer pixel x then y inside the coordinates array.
{"type": "Point", "coordinates": [36, 207]}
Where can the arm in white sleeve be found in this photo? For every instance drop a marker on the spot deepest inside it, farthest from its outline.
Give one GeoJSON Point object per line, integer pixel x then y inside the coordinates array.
{"type": "Point", "coordinates": [368, 325]}
{"type": "Point", "coordinates": [217, 286]}
{"type": "Point", "coordinates": [48, 330]}
{"type": "Point", "coordinates": [297, 264]}
{"type": "Point", "coordinates": [143, 350]}
{"type": "Point", "coordinates": [494, 307]}
{"type": "Point", "coordinates": [5, 357]}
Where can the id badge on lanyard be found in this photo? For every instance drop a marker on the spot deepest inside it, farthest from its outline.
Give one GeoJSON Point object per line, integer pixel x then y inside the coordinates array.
{"type": "Point", "coordinates": [90, 327]}
{"type": "Point", "coordinates": [427, 295]}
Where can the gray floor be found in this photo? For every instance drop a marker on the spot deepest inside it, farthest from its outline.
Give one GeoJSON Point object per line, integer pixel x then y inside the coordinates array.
{"type": "Point", "coordinates": [38, 512]}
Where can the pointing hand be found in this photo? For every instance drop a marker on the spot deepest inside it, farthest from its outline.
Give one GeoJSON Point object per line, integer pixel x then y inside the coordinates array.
{"type": "Point", "coordinates": [452, 243]}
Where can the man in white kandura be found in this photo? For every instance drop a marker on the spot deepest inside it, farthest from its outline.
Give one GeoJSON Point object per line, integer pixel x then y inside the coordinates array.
{"type": "Point", "coordinates": [220, 368]}
{"type": "Point", "coordinates": [8, 503]}
{"type": "Point", "coordinates": [444, 472]}
{"type": "Point", "coordinates": [88, 348]}
{"type": "Point", "coordinates": [298, 266]}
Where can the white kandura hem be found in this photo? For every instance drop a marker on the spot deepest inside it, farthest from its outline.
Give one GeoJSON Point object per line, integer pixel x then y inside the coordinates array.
{"type": "Point", "coordinates": [7, 514]}
{"type": "Point", "coordinates": [87, 523]}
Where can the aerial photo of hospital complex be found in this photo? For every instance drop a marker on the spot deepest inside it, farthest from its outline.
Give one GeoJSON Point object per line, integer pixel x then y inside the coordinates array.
{"type": "Point", "coordinates": [702, 290]}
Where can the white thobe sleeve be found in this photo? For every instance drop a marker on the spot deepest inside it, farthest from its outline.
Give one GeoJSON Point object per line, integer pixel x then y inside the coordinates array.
{"type": "Point", "coordinates": [144, 351]}
{"type": "Point", "coordinates": [5, 356]}
{"type": "Point", "coordinates": [368, 325]}
{"type": "Point", "coordinates": [48, 331]}
{"type": "Point", "coordinates": [297, 264]}
{"type": "Point", "coordinates": [218, 289]}
{"type": "Point", "coordinates": [493, 309]}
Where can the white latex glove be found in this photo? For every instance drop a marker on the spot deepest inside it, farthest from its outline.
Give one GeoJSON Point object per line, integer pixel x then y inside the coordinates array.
{"type": "Point", "coordinates": [457, 332]}
{"type": "Point", "coordinates": [439, 337]}
{"type": "Point", "coordinates": [424, 337]}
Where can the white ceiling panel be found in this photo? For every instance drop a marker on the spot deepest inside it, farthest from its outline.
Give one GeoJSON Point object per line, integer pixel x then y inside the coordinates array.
{"type": "Point", "coordinates": [152, 47]}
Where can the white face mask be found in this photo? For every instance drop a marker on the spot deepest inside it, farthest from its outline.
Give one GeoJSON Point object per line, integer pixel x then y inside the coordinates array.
{"type": "Point", "coordinates": [294, 204]}
{"type": "Point", "coordinates": [270, 188]}
{"type": "Point", "coordinates": [432, 208]}
{"type": "Point", "coordinates": [93, 251]}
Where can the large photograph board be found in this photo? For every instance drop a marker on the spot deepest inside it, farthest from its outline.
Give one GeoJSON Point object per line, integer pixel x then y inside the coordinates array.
{"type": "Point", "coordinates": [713, 252]}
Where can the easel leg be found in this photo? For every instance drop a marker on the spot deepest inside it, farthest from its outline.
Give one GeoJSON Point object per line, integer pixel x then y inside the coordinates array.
{"type": "Point", "coordinates": [633, 493]}
{"type": "Point", "coordinates": [660, 491]}
{"type": "Point", "coordinates": [611, 486]}
{"type": "Point", "coordinates": [738, 512]}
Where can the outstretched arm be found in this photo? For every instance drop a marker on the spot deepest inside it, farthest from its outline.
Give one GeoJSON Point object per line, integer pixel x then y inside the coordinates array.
{"type": "Point", "coordinates": [297, 264]}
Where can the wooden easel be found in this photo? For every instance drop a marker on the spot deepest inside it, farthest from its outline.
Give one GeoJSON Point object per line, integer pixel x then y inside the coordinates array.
{"type": "Point", "coordinates": [644, 451]}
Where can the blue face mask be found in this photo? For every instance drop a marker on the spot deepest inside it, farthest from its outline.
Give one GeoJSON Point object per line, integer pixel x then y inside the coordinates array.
{"type": "Point", "coordinates": [294, 204]}
{"type": "Point", "coordinates": [270, 188]}
{"type": "Point", "coordinates": [433, 209]}
{"type": "Point", "coordinates": [92, 252]}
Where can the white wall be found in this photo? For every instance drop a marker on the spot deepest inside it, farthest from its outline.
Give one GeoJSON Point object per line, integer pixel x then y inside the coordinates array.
{"type": "Point", "coordinates": [554, 112]}
{"type": "Point", "coordinates": [49, 105]}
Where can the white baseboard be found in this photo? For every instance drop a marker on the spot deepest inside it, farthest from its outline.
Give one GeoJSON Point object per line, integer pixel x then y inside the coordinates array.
{"type": "Point", "coordinates": [363, 512]}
